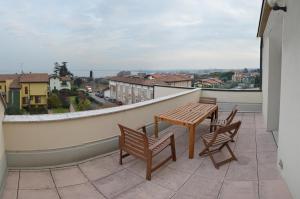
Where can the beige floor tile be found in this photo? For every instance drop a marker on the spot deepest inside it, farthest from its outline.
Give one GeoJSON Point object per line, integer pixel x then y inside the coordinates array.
{"type": "Point", "coordinates": [243, 169]}
{"type": "Point", "coordinates": [12, 180]}
{"type": "Point", "coordinates": [81, 191]}
{"type": "Point", "coordinates": [170, 178]}
{"type": "Point", "coordinates": [208, 170]}
{"type": "Point", "coordinates": [117, 183]}
{"type": "Point", "coordinates": [68, 176]}
{"type": "Point", "coordinates": [246, 143]}
{"type": "Point", "coordinates": [201, 187]}
{"type": "Point", "coordinates": [267, 166]}
{"type": "Point", "coordinates": [40, 179]}
{"type": "Point", "coordinates": [239, 189]}
{"type": "Point", "coordinates": [100, 167]}
{"type": "Point", "coordinates": [183, 163]}
{"type": "Point", "coordinates": [273, 189]}
{"type": "Point", "coordinates": [146, 190]}
{"type": "Point", "coordinates": [10, 194]}
{"type": "Point", "coordinates": [38, 194]}
{"type": "Point", "coordinates": [265, 142]}
{"type": "Point", "coordinates": [183, 196]}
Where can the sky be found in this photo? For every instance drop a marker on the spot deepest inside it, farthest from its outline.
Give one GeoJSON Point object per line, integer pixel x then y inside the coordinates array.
{"type": "Point", "coordinates": [128, 34]}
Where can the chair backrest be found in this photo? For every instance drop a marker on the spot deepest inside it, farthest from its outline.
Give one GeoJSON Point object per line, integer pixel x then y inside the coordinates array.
{"type": "Point", "coordinates": [231, 128]}
{"type": "Point", "coordinates": [208, 100]}
{"type": "Point", "coordinates": [232, 114]}
{"type": "Point", "coordinates": [134, 142]}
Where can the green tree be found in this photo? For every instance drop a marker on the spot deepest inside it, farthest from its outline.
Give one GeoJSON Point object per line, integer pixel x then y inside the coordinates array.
{"type": "Point", "coordinates": [62, 69]}
{"type": "Point", "coordinates": [54, 101]}
{"type": "Point", "coordinates": [84, 104]}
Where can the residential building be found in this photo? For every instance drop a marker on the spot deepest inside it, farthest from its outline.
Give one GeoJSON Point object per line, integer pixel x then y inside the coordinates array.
{"type": "Point", "coordinates": [23, 90]}
{"type": "Point", "coordinates": [208, 83]}
{"type": "Point", "coordinates": [176, 80]}
{"type": "Point", "coordinates": [59, 83]}
{"type": "Point", "coordinates": [132, 89]}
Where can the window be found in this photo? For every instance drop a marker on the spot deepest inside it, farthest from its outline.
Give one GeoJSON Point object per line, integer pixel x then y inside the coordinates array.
{"type": "Point", "coordinates": [26, 90]}
{"type": "Point", "coordinates": [24, 100]}
{"type": "Point", "coordinates": [37, 99]}
{"type": "Point", "coordinates": [0, 87]}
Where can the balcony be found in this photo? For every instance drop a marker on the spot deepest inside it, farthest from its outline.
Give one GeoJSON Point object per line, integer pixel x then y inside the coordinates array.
{"type": "Point", "coordinates": [74, 155]}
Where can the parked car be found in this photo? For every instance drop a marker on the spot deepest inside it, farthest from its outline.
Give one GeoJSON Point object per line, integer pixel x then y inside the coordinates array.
{"type": "Point", "coordinates": [119, 103]}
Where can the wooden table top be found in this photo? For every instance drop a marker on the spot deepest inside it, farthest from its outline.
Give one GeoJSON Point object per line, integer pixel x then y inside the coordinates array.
{"type": "Point", "coordinates": [191, 113]}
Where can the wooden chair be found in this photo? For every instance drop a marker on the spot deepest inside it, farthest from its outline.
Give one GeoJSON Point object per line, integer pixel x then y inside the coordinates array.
{"type": "Point", "coordinates": [224, 122]}
{"type": "Point", "coordinates": [214, 142]}
{"type": "Point", "coordinates": [208, 100]}
{"type": "Point", "coordinates": [144, 147]}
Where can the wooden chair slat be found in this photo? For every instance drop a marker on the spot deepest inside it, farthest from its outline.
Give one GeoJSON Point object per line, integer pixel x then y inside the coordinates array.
{"type": "Point", "coordinates": [139, 145]}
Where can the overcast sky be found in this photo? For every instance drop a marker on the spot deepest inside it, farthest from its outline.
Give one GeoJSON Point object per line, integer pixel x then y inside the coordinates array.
{"type": "Point", "coordinates": [128, 34]}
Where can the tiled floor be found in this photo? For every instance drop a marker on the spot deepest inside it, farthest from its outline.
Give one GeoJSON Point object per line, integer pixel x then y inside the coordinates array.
{"type": "Point", "coordinates": [254, 175]}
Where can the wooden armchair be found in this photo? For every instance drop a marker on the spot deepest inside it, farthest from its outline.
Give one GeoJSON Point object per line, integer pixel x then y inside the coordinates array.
{"type": "Point", "coordinates": [214, 142]}
{"type": "Point", "coordinates": [143, 147]}
{"type": "Point", "coordinates": [208, 100]}
{"type": "Point", "coordinates": [224, 122]}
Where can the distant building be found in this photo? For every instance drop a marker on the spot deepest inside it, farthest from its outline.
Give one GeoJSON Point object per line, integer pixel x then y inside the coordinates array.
{"type": "Point", "coordinates": [133, 89]}
{"type": "Point", "coordinates": [59, 83]}
{"type": "Point", "coordinates": [176, 80]}
{"type": "Point", "coordinates": [23, 90]}
{"type": "Point", "coordinates": [91, 75]}
{"type": "Point", "coordinates": [209, 83]}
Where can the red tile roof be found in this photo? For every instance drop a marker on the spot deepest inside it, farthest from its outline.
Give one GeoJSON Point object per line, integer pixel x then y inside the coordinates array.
{"type": "Point", "coordinates": [138, 80]}
{"type": "Point", "coordinates": [171, 77]}
{"type": "Point", "coordinates": [24, 78]}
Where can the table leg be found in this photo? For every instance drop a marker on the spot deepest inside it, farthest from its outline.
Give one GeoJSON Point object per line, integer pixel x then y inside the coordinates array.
{"type": "Point", "coordinates": [156, 126]}
{"type": "Point", "coordinates": [217, 113]}
{"type": "Point", "coordinates": [191, 141]}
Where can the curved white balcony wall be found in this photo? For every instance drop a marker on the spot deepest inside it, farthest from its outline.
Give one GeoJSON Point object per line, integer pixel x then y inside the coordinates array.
{"type": "Point", "coordinates": [247, 100]}
{"type": "Point", "coordinates": [45, 140]}
{"type": "Point", "coordinates": [2, 150]}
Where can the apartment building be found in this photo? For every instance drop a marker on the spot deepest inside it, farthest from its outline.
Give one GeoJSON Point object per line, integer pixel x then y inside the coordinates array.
{"type": "Point", "coordinates": [176, 80]}
{"type": "Point", "coordinates": [133, 89]}
{"type": "Point", "coordinates": [22, 90]}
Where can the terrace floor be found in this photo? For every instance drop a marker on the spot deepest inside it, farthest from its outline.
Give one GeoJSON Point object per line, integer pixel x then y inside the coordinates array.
{"type": "Point", "coordinates": [254, 175]}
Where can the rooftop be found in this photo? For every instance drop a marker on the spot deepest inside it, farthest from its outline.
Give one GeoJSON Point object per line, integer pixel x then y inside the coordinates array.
{"type": "Point", "coordinates": [138, 80]}
{"type": "Point", "coordinates": [254, 175]}
{"type": "Point", "coordinates": [24, 78]}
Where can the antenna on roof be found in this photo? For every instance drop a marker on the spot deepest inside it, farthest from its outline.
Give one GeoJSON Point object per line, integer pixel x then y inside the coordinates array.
{"type": "Point", "coordinates": [21, 66]}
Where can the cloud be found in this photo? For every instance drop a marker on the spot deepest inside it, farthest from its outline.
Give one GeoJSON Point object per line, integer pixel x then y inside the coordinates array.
{"type": "Point", "coordinates": [129, 33]}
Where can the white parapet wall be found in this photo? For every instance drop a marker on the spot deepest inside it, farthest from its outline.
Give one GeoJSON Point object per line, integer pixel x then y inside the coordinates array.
{"type": "Point", "coordinates": [247, 100]}
{"type": "Point", "coordinates": [42, 140]}
{"type": "Point", "coordinates": [2, 151]}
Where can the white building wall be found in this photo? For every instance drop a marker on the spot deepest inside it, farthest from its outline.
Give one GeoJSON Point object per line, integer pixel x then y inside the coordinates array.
{"type": "Point", "coordinates": [272, 50]}
{"type": "Point", "coordinates": [57, 83]}
{"type": "Point", "coordinates": [289, 133]}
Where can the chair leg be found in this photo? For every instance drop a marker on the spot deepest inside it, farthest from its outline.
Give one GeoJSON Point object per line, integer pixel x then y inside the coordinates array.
{"type": "Point", "coordinates": [173, 148]}
{"type": "Point", "coordinates": [230, 151]}
{"type": "Point", "coordinates": [149, 166]}
{"type": "Point", "coordinates": [212, 159]}
{"type": "Point", "coordinates": [121, 157]}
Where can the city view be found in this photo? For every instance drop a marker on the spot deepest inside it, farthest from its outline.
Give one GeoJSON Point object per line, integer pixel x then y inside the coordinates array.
{"type": "Point", "coordinates": [193, 99]}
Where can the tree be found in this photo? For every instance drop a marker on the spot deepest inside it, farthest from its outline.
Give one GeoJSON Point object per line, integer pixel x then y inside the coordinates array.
{"type": "Point", "coordinates": [245, 70]}
{"type": "Point", "coordinates": [62, 69]}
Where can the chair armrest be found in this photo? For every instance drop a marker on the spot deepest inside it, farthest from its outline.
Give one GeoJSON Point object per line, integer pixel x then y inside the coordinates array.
{"type": "Point", "coordinates": [161, 140]}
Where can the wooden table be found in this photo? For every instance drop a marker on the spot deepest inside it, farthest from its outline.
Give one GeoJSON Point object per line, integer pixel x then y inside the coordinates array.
{"type": "Point", "coordinates": [189, 115]}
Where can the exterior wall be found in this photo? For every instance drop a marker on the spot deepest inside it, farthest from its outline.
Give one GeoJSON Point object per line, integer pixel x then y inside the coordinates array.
{"type": "Point", "coordinates": [290, 97]}
{"type": "Point", "coordinates": [272, 69]}
{"type": "Point", "coordinates": [162, 91]}
{"type": "Point", "coordinates": [57, 83]}
{"type": "Point", "coordinates": [181, 84]}
{"type": "Point", "coordinates": [34, 89]}
{"type": "Point", "coordinates": [130, 93]}
{"type": "Point", "coordinates": [2, 151]}
{"type": "Point", "coordinates": [248, 101]}
{"type": "Point", "coordinates": [2, 87]}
